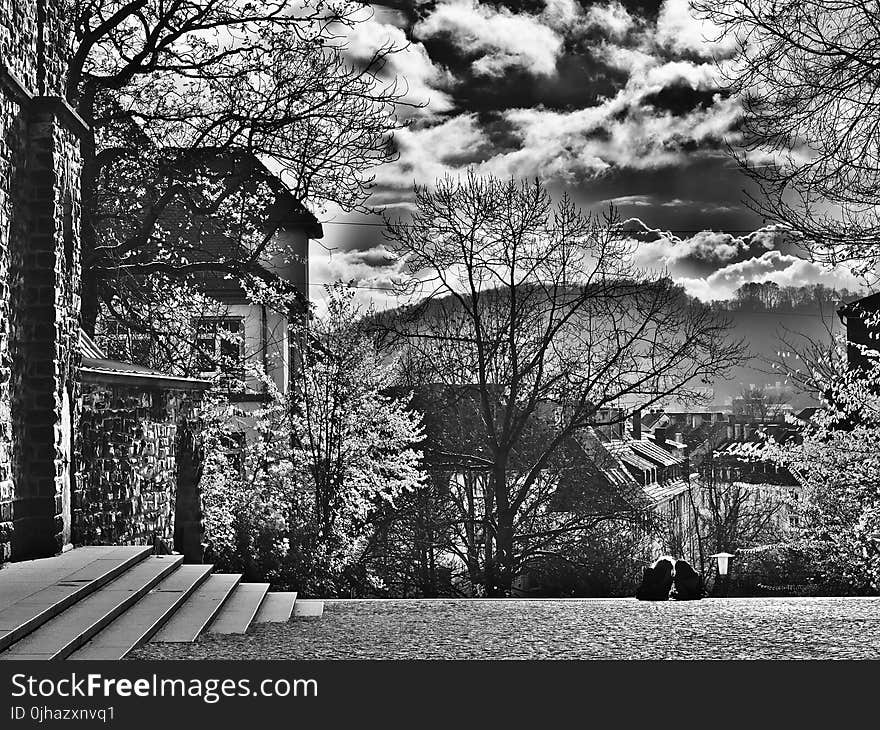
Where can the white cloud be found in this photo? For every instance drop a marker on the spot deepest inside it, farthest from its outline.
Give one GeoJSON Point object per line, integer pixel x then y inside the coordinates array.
{"type": "Point", "coordinates": [430, 152]}
{"type": "Point", "coordinates": [700, 76]}
{"type": "Point", "coordinates": [623, 58]}
{"type": "Point", "coordinates": [773, 266]}
{"type": "Point", "coordinates": [613, 18]}
{"type": "Point", "coordinates": [373, 272]}
{"type": "Point", "coordinates": [565, 146]}
{"type": "Point", "coordinates": [712, 265]}
{"type": "Point", "coordinates": [679, 30]}
{"type": "Point", "coordinates": [423, 81]}
{"type": "Point", "coordinates": [637, 200]}
{"type": "Point", "coordinates": [619, 132]}
{"type": "Point", "coordinates": [500, 38]}
{"type": "Point", "coordinates": [561, 14]}
{"type": "Point", "coordinates": [707, 246]}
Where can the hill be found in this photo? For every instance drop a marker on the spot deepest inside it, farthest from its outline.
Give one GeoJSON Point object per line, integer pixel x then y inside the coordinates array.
{"type": "Point", "coordinates": [772, 322]}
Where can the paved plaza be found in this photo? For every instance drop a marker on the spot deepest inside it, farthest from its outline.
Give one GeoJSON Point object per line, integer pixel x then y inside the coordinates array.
{"type": "Point", "coordinates": [756, 628]}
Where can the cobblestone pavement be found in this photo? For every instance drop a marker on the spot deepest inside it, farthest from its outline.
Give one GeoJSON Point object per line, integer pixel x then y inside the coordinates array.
{"type": "Point", "coordinates": [757, 628]}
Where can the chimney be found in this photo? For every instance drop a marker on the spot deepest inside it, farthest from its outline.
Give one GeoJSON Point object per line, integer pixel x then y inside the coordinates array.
{"type": "Point", "coordinates": [731, 420]}
{"type": "Point", "coordinates": [660, 436]}
{"type": "Point", "coordinates": [637, 424]}
{"type": "Point", "coordinates": [678, 437]}
{"type": "Point", "coordinates": [738, 431]}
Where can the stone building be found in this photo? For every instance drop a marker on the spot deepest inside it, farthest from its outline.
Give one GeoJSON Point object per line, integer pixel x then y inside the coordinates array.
{"type": "Point", "coordinates": [40, 166]}
{"type": "Point", "coordinates": [137, 456]}
{"type": "Point", "coordinates": [95, 450]}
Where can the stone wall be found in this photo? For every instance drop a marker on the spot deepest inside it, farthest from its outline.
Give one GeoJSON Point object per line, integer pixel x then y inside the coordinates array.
{"type": "Point", "coordinates": [125, 487]}
{"type": "Point", "coordinates": [39, 279]}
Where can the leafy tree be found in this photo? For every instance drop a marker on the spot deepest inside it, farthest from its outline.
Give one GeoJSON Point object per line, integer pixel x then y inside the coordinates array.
{"type": "Point", "coordinates": [293, 491]}
{"type": "Point", "coordinates": [355, 442]}
{"type": "Point", "coordinates": [838, 461]}
{"type": "Point", "coordinates": [761, 402]}
{"type": "Point", "coordinates": [603, 562]}
{"type": "Point", "coordinates": [412, 551]}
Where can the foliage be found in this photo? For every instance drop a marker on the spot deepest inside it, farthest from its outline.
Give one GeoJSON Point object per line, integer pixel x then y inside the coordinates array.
{"type": "Point", "coordinates": [790, 568]}
{"type": "Point", "coordinates": [164, 333]}
{"type": "Point", "coordinates": [768, 296]}
{"type": "Point", "coordinates": [187, 102]}
{"type": "Point", "coordinates": [293, 490]}
{"type": "Point", "coordinates": [604, 562]}
{"type": "Point", "coordinates": [839, 462]}
{"type": "Point", "coordinates": [413, 547]}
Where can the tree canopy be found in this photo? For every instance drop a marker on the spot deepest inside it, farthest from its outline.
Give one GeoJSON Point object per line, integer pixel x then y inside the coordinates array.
{"type": "Point", "coordinates": [169, 87]}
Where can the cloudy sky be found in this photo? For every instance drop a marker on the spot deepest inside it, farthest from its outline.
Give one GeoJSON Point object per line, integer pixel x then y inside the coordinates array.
{"type": "Point", "coordinates": [616, 102]}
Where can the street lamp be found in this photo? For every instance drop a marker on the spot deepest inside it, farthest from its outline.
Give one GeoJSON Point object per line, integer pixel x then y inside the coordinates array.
{"type": "Point", "coordinates": [723, 567]}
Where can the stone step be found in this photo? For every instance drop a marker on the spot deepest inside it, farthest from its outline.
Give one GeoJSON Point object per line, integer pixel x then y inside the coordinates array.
{"type": "Point", "coordinates": [33, 592]}
{"type": "Point", "coordinates": [198, 611]}
{"type": "Point", "coordinates": [239, 610]}
{"type": "Point", "coordinates": [276, 608]}
{"type": "Point", "coordinates": [144, 618]}
{"type": "Point", "coordinates": [308, 608]}
{"type": "Point", "coordinates": [73, 627]}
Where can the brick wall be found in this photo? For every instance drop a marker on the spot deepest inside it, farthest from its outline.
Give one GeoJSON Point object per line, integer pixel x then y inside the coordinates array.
{"type": "Point", "coordinates": [39, 279]}
{"type": "Point", "coordinates": [125, 485]}
{"type": "Point", "coordinates": [12, 230]}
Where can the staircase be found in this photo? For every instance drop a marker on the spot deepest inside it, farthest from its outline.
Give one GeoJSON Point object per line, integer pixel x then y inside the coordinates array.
{"type": "Point", "coordinates": [101, 602]}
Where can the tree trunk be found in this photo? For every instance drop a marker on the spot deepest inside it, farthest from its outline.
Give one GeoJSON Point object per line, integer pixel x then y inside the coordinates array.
{"type": "Point", "coordinates": [504, 558]}
{"type": "Point", "coordinates": [488, 541]}
{"type": "Point", "coordinates": [505, 555]}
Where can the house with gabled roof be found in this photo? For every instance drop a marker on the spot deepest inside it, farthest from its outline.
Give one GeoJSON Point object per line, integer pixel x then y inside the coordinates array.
{"type": "Point", "coordinates": [240, 331]}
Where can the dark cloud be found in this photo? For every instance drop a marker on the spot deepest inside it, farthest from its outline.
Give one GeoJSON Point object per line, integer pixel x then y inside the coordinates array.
{"type": "Point", "coordinates": [681, 98]}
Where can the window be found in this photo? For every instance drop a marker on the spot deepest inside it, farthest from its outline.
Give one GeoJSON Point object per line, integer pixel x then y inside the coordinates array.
{"type": "Point", "coordinates": [220, 343]}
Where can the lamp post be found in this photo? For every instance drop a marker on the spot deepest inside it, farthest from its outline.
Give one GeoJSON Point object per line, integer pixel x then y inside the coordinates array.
{"type": "Point", "coordinates": [723, 568]}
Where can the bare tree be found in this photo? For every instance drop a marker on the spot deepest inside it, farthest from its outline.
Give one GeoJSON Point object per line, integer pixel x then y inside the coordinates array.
{"type": "Point", "coordinates": [184, 101]}
{"type": "Point", "coordinates": [760, 402]}
{"type": "Point", "coordinates": [536, 308]}
{"type": "Point", "coordinates": [738, 509]}
{"type": "Point", "coordinates": [810, 135]}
